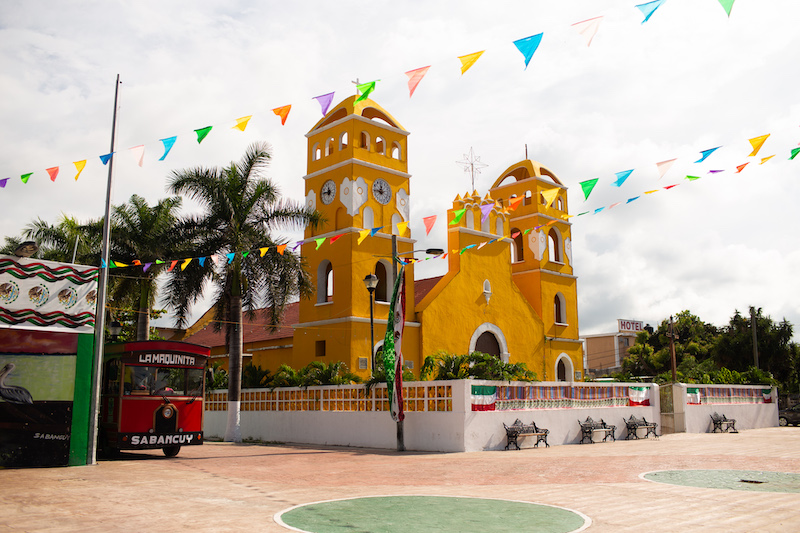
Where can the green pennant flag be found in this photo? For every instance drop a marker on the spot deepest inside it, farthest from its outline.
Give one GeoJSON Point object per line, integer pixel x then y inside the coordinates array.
{"type": "Point", "coordinates": [457, 218]}
{"type": "Point", "coordinates": [692, 178]}
{"type": "Point", "coordinates": [26, 177]}
{"type": "Point", "coordinates": [795, 151]}
{"type": "Point", "coordinates": [319, 242]}
{"type": "Point", "coordinates": [202, 132]}
{"type": "Point", "coordinates": [587, 187]}
{"type": "Point", "coordinates": [159, 262]}
{"type": "Point", "coordinates": [365, 89]}
{"type": "Point", "coordinates": [245, 254]}
{"type": "Point", "coordinates": [727, 5]}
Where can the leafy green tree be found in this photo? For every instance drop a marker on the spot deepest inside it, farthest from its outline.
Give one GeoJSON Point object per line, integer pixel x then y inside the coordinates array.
{"type": "Point", "coordinates": [60, 241]}
{"type": "Point", "coordinates": [254, 377]}
{"type": "Point", "coordinates": [240, 209]}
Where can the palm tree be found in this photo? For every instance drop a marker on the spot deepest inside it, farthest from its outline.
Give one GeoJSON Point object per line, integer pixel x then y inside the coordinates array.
{"type": "Point", "coordinates": [66, 241]}
{"type": "Point", "coordinates": [240, 209]}
{"type": "Point", "coordinates": [145, 233]}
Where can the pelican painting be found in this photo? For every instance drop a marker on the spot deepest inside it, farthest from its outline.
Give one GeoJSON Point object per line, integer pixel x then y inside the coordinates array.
{"type": "Point", "coordinates": [12, 393]}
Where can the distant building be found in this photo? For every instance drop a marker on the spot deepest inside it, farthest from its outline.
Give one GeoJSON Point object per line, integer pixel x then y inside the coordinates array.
{"type": "Point", "coordinates": [603, 353]}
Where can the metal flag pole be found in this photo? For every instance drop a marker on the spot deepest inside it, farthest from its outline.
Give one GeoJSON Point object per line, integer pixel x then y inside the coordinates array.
{"type": "Point", "coordinates": [102, 290]}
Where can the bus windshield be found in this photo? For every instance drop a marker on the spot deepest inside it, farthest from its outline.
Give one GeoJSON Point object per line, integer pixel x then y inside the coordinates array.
{"type": "Point", "coordinates": [163, 381]}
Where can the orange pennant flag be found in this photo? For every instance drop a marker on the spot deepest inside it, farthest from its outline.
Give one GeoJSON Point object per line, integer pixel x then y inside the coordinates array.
{"type": "Point", "coordinates": [281, 248]}
{"type": "Point", "coordinates": [241, 123]}
{"type": "Point", "coordinates": [414, 77]}
{"type": "Point", "coordinates": [468, 60]}
{"type": "Point", "coordinates": [757, 143]}
{"type": "Point", "coordinates": [53, 173]}
{"type": "Point", "coordinates": [741, 167]}
{"type": "Point", "coordinates": [513, 203]}
{"type": "Point", "coordinates": [79, 166]}
{"type": "Point", "coordinates": [282, 112]}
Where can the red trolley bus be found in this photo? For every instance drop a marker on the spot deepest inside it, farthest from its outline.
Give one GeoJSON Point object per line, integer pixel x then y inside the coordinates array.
{"type": "Point", "coordinates": [152, 396]}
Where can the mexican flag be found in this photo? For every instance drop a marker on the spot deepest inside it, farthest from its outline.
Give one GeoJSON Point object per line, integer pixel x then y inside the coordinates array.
{"type": "Point", "coordinates": [639, 395]}
{"type": "Point", "coordinates": [767, 394]}
{"type": "Point", "coordinates": [693, 395]}
{"type": "Point", "coordinates": [484, 397]}
{"type": "Point", "coordinates": [392, 354]}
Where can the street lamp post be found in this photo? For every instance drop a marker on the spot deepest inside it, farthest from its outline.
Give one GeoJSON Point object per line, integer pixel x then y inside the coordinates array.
{"type": "Point", "coordinates": [371, 282]}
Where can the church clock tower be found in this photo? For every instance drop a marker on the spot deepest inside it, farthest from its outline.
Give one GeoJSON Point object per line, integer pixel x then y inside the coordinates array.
{"type": "Point", "coordinates": [357, 178]}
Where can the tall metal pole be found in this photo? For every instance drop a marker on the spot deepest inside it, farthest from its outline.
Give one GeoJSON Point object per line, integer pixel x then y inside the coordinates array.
{"type": "Point", "coordinates": [372, 330]}
{"type": "Point", "coordinates": [755, 335]}
{"type": "Point", "coordinates": [102, 290]}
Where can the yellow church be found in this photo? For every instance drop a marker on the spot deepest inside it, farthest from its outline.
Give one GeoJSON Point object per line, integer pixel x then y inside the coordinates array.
{"type": "Point", "coordinates": [509, 291]}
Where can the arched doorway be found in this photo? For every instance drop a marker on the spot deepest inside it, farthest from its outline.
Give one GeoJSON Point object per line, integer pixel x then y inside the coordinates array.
{"type": "Point", "coordinates": [488, 344]}
{"type": "Point", "coordinates": [561, 371]}
{"type": "Point", "coordinates": [564, 368]}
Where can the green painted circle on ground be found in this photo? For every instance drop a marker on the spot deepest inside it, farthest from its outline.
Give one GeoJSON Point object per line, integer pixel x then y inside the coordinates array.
{"type": "Point", "coordinates": [394, 514]}
{"type": "Point", "coordinates": [752, 480]}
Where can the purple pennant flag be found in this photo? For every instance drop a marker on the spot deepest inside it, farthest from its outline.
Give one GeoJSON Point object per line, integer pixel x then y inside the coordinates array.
{"type": "Point", "coordinates": [324, 102]}
{"type": "Point", "coordinates": [298, 243]}
{"type": "Point", "coordinates": [715, 171]}
{"type": "Point", "coordinates": [146, 266]}
{"type": "Point", "coordinates": [3, 182]}
{"type": "Point", "coordinates": [485, 210]}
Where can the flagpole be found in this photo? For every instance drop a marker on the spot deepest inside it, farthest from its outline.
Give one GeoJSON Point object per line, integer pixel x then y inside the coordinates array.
{"type": "Point", "coordinates": [102, 289]}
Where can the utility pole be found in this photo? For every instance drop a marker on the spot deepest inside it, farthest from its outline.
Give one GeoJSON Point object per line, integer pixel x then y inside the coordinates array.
{"type": "Point", "coordinates": [755, 335]}
{"type": "Point", "coordinates": [672, 338]}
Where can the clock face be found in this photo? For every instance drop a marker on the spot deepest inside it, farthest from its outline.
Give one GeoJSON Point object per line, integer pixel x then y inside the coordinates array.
{"type": "Point", "coordinates": [328, 192]}
{"type": "Point", "coordinates": [381, 191]}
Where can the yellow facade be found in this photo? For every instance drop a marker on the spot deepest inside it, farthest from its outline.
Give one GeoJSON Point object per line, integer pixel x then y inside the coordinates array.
{"type": "Point", "coordinates": [512, 293]}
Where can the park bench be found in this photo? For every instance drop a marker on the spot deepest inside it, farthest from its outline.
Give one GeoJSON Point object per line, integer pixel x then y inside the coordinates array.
{"type": "Point", "coordinates": [632, 424]}
{"type": "Point", "coordinates": [518, 429]}
{"type": "Point", "coordinates": [589, 426]}
{"type": "Point", "coordinates": [722, 423]}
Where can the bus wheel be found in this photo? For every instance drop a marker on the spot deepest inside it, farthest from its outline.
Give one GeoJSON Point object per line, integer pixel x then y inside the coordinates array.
{"type": "Point", "coordinates": [171, 451]}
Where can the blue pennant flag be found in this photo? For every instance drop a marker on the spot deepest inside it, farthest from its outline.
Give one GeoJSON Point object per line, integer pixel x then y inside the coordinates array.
{"type": "Point", "coordinates": [649, 8]}
{"type": "Point", "coordinates": [528, 46]}
{"type": "Point", "coordinates": [706, 153]}
{"type": "Point", "coordinates": [621, 177]}
{"type": "Point", "coordinates": [168, 142]}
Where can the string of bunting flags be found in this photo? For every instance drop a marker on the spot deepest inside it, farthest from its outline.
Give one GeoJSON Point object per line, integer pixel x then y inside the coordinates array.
{"type": "Point", "coordinates": [527, 46]}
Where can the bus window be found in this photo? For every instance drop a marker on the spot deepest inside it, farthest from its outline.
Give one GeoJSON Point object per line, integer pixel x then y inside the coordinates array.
{"type": "Point", "coordinates": [160, 381]}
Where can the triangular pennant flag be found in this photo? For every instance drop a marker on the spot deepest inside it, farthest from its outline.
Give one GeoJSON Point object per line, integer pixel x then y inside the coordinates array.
{"type": "Point", "coordinates": [26, 177]}
{"type": "Point", "coordinates": [53, 171]}
{"type": "Point", "coordinates": [202, 261]}
{"type": "Point", "coordinates": [468, 60]}
{"type": "Point", "coordinates": [664, 166]}
{"type": "Point", "coordinates": [373, 231]}
{"type": "Point", "coordinates": [230, 257]}
{"type": "Point", "coordinates": [513, 203]}
{"type": "Point", "coordinates": [527, 231]}
{"type": "Point", "coordinates": [414, 77]}
{"type": "Point", "coordinates": [549, 196]}
{"type": "Point", "coordinates": [485, 210]}
{"type": "Point", "coordinates": [706, 153]}
{"type": "Point", "coordinates": [245, 254]}
{"type": "Point", "coordinates": [103, 263]}
{"type": "Point", "coordinates": [795, 151]}
{"type": "Point", "coordinates": [185, 263]}
{"type": "Point", "coordinates": [111, 264]}
{"type": "Point", "coordinates": [362, 235]}
{"type": "Point", "coordinates": [263, 250]}
{"type": "Point", "coordinates": [598, 210]}
{"type": "Point", "coordinates": [649, 8]}
{"type": "Point", "coordinates": [514, 234]}
{"type": "Point", "coordinates": [429, 222]}
{"type": "Point", "coordinates": [651, 192]}
{"type": "Point", "coordinates": [202, 132]}
{"type": "Point", "coordinates": [401, 227]}
{"type": "Point", "coordinates": [168, 142]}
{"type": "Point", "coordinates": [365, 89]}
{"type": "Point", "coordinates": [324, 102]}
{"type": "Point", "coordinates": [464, 249]}
{"type": "Point", "coordinates": [160, 262]}
{"type": "Point", "coordinates": [612, 206]}
{"type": "Point", "coordinates": [146, 266]}
{"type": "Point", "coordinates": [282, 112]}
{"type": "Point", "coordinates": [172, 265]}
{"type": "Point", "coordinates": [216, 258]}
{"type": "Point", "coordinates": [587, 187]}
{"type": "Point", "coordinates": [727, 5]}
{"type": "Point", "coordinates": [757, 143]}
{"type": "Point", "coordinates": [138, 154]}
{"type": "Point", "coordinates": [320, 241]}
{"type": "Point", "coordinates": [297, 244]}
{"type": "Point", "coordinates": [458, 214]}
{"type": "Point", "coordinates": [621, 177]}
{"type": "Point", "coordinates": [528, 46]}
{"type": "Point", "coordinates": [121, 265]}
{"type": "Point", "coordinates": [281, 248]}
{"type": "Point", "coordinates": [739, 168]}
{"type": "Point", "coordinates": [691, 178]}
{"type": "Point", "coordinates": [241, 123]}
{"type": "Point", "coordinates": [581, 214]}
{"type": "Point", "coordinates": [136, 262]}
{"type": "Point", "coordinates": [79, 165]}
{"type": "Point", "coordinates": [337, 237]}
{"type": "Point", "coordinates": [3, 182]}
{"type": "Point", "coordinates": [106, 158]}
{"type": "Point", "coordinates": [668, 187]}
{"type": "Point", "coordinates": [588, 28]}
{"type": "Point", "coordinates": [481, 245]}
{"type": "Point", "coordinates": [632, 199]}
{"type": "Point", "coordinates": [715, 171]}
{"type": "Point", "coordinates": [765, 159]}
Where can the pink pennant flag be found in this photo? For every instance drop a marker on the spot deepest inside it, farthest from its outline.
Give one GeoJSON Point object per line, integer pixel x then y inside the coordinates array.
{"type": "Point", "coordinates": [282, 112]}
{"type": "Point", "coordinates": [414, 77]}
{"type": "Point", "coordinates": [514, 234]}
{"type": "Point", "coordinates": [324, 102]}
{"type": "Point", "coordinates": [588, 28]}
{"type": "Point", "coordinates": [612, 206]}
{"type": "Point", "coordinates": [664, 166]}
{"type": "Point", "coordinates": [53, 173]}
{"type": "Point", "coordinates": [138, 154]}
{"type": "Point", "coordinates": [429, 222]}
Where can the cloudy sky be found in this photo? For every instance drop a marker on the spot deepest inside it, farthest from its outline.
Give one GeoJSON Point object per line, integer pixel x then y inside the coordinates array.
{"type": "Point", "coordinates": [688, 80]}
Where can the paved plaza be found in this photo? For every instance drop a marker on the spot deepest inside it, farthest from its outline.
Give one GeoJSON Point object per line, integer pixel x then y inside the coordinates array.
{"type": "Point", "coordinates": [229, 487]}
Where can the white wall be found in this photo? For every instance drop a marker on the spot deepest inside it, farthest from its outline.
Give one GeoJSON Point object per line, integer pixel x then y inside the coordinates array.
{"type": "Point", "coordinates": [747, 415]}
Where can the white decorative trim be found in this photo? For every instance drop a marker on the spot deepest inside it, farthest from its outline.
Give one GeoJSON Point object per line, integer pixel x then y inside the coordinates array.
{"type": "Point", "coordinates": [354, 161]}
{"type": "Point", "coordinates": [479, 233]}
{"type": "Point", "coordinates": [545, 271]}
{"type": "Point", "coordinates": [569, 367]}
{"type": "Point", "coordinates": [497, 332]}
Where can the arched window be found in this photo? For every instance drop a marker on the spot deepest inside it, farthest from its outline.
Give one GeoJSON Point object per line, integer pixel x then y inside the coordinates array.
{"type": "Point", "coordinates": [486, 223]}
{"type": "Point", "coordinates": [329, 146]}
{"type": "Point", "coordinates": [498, 226]}
{"type": "Point", "coordinates": [343, 139]}
{"type": "Point", "coordinates": [561, 371]}
{"type": "Point", "coordinates": [555, 254]}
{"type": "Point", "coordinates": [560, 204]}
{"type": "Point", "coordinates": [380, 145]}
{"type": "Point", "coordinates": [528, 198]}
{"type": "Point", "coordinates": [469, 219]}
{"type": "Point", "coordinates": [487, 343]}
{"type": "Point", "coordinates": [518, 250]}
{"type": "Point", "coordinates": [365, 140]}
{"type": "Point", "coordinates": [316, 153]}
{"type": "Point", "coordinates": [368, 218]}
{"type": "Point", "coordinates": [559, 309]}
{"type": "Point", "coordinates": [324, 282]}
{"type": "Point", "coordinates": [396, 219]}
{"type": "Point", "coordinates": [397, 152]}
{"type": "Point", "coordinates": [382, 289]}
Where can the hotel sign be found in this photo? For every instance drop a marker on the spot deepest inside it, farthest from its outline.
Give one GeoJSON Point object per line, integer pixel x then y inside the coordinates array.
{"type": "Point", "coordinates": [630, 326]}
